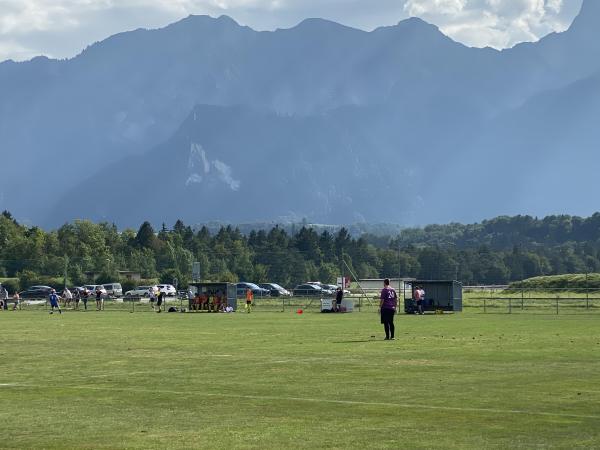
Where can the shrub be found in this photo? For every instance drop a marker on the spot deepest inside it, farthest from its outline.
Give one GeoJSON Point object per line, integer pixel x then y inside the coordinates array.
{"type": "Point", "coordinates": [128, 285]}
{"type": "Point", "coordinates": [560, 282]}
{"type": "Point", "coordinates": [12, 284]}
{"type": "Point", "coordinates": [169, 275]}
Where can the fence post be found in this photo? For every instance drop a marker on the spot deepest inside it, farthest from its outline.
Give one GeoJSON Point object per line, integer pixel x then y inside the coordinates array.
{"type": "Point", "coordinates": [557, 304]}
{"type": "Point", "coordinates": [484, 306]}
{"type": "Point", "coordinates": [587, 293]}
{"type": "Point", "coordinates": [587, 299]}
{"type": "Point", "coordinates": [510, 305]}
{"type": "Point", "coordinates": [522, 293]}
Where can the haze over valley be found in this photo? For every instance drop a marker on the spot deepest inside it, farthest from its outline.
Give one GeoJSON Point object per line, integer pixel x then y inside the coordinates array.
{"type": "Point", "coordinates": [209, 120]}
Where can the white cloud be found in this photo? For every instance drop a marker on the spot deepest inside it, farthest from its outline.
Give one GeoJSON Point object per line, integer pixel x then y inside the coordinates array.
{"type": "Point", "coordinates": [62, 28]}
{"type": "Point", "coordinates": [420, 7]}
{"type": "Point", "coordinates": [495, 23]}
{"type": "Point", "coordinates": [10, 49]}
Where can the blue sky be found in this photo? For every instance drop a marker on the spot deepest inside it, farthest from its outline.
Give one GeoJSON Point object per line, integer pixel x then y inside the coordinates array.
{"type": "Point", "coordinates": [62, 28]}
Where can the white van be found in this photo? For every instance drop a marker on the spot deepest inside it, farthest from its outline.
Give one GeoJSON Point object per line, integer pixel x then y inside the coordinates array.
{"type": "Point", "coordinates": [114, 290]}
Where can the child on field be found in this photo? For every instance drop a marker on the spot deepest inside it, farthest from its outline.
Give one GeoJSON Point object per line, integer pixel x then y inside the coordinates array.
{"type": "Point", "coordinates": [249, 299]}
{"type": "Point", "coordinates": [53, 297]}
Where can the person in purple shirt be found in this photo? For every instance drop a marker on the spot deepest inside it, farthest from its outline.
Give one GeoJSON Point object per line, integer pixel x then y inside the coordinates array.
{"type": "Point", "coordinates": [387, 306]}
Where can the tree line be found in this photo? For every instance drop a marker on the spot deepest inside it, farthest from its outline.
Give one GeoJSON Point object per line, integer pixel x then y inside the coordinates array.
{"type": "Point", "coordinates": [497, 251]}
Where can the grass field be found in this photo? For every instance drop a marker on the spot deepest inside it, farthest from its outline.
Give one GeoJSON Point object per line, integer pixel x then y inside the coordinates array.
{"type": "Point", "coordinates": [283, 380]}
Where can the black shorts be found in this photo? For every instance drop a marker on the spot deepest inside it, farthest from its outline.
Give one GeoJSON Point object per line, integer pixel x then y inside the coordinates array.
{"type": "Point", "coordinates": [159, 302]}
{"type": "Point", "coordinates": [387, 315]}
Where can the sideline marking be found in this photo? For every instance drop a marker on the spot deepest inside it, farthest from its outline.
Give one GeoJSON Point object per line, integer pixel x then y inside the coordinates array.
{"type": "Point", "coordinates": [322, 400]}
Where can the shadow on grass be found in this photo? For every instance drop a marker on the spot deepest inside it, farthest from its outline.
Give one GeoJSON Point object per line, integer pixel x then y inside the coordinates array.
{"type": "Point", "coordinates": [358, 341]}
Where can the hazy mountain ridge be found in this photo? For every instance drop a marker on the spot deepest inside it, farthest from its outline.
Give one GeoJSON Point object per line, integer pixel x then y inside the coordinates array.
{"type": "Point", "coordinates": [404, 97]}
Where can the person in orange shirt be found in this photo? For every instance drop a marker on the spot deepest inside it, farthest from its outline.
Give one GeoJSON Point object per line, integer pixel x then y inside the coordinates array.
{"type": "Point", "coordinates": [201, 301]}
{"type": "Point", "coordinates": [217, 302]}
{"type": "Point", "coordinates": [249, 299]}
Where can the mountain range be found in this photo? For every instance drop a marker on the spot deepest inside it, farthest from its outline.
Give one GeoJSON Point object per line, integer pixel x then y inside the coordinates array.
{"type": "Point", "coordinates": [208, 120]}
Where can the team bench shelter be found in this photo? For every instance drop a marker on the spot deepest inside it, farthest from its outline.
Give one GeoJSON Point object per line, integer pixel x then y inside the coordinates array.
{"type": "Point", "coordinates": [212, 296]}
{"type": "Point", "coordinates": [439, 296]}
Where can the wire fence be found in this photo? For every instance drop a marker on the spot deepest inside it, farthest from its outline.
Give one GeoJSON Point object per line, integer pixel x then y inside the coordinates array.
{"type": "Point", "coordinates": [182, 304]}
{"type": "Point", "coordinates": [503, 300]}
{"type": "Point", "coordinates": [484, 300]}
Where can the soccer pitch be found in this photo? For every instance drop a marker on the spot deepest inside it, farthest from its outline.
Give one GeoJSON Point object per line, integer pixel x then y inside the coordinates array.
{"type": "Point", "coordinates": [283, 380]}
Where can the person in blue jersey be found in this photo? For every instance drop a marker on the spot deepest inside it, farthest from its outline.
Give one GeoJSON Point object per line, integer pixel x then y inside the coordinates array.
{"type": "Point", "coordinates": [387, 307]}
{"type": "Point", "coordinates": [53, 297]}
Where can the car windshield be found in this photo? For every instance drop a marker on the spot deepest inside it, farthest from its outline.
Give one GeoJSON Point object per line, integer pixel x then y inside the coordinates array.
{"type": "Point", "coordinates": [276, 286]}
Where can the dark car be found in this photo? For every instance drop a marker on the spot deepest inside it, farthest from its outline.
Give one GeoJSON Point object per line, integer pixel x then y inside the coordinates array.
{"type": "Point", "coordinates": [36, 292]}
{"type": "Point", "coordinates": [275, 290]}
{"type": "Point", "coordinates": [257, 291]}
{"type": "Point", "coordinates": [309, 290]}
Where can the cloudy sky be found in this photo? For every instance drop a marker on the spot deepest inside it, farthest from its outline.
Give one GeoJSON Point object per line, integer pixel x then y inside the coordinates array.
{"type": "Point", "coordinates": [62, 28]}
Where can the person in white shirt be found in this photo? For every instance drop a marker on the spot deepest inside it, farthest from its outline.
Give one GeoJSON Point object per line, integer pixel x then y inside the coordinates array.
{"type": "Point", "coordinates": [68, 296]}
{"type": "Point", "coordinates": [152, 293]}
{"type": "Point", "coordinates": [421, 301]}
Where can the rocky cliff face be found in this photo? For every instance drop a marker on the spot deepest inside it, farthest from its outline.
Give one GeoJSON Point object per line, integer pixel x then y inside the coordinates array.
{"type": "Point", "coordinates": [206, 119]}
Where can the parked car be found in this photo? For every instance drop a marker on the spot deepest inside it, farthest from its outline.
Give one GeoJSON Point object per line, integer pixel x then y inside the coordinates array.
{"type": "Point", "coordinates": [328, 289]}
{"type": "Point", "coordinates": [257, 291]}
{"type": "Point", "coordinates": [36, 292]}
{"type": "Point", "coordinates": [168, 289]}
{"type": "Point", "coordinates": [139, 291]}
{"type": "Point", "coordinates": [275, 290]}
{"type": "Point", "coordinates": [92, 289]}
{"type": "Point", "coordinates": [114, 290]}
{"type": "Point", "coordinates": [310, 290]}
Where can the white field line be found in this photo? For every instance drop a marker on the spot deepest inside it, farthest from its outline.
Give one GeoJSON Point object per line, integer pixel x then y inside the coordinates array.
{"type": "Point", "coordinates": [323, 400]}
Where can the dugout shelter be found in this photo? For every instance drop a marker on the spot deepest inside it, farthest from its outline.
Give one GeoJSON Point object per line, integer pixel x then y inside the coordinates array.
{"type": "Point", "coordinates": [439, 296]}
{"type": "Point", "coordinates": [226, 290]}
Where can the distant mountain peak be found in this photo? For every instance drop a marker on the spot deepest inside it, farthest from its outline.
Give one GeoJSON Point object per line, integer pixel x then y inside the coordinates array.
{"type": "Point", "coordinates": [318, 24]}
{"type": "Point", "coordinates": [590, 7]}
{"type": "Point", "coordinates": [415, 22]}
{"type": "Point", "coordinates": [203, 20]}
{"type": "Point", "coordinates": [589, 15]}
{"type": "Point", "coordinates": [413, 26]}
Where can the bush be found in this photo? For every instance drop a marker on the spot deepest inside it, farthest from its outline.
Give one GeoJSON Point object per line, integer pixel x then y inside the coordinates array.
{"type": "Point", "coordinates": [560, 282]}
{"type": "Point", "coordinates": [29, 278]}
{"type": "Point", "coordinates": [169, 275]}
{"type": "Point", "coordinates": [12, 284]}
{"type": "Point", "coordinates": [128, 285]}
